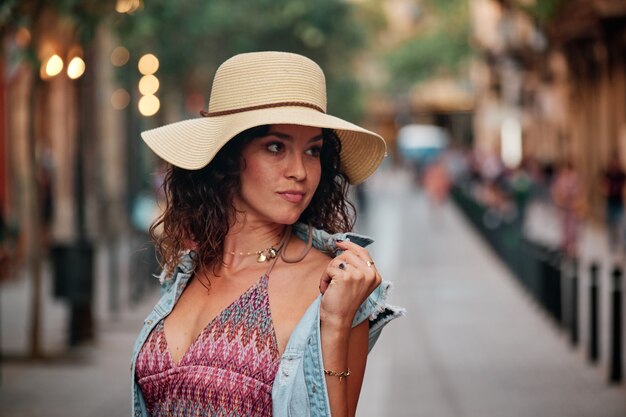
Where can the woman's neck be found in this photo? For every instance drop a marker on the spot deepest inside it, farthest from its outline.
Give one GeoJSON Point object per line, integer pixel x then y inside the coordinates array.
{"type": "Point", "coordinates": [245, 239]}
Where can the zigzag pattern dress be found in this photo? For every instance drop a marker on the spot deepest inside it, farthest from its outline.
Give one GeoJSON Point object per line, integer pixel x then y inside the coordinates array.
{"type": "Point", "coordinates": [227, 371]}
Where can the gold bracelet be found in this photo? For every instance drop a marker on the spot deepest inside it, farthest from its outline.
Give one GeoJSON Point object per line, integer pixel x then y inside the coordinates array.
{"type": "Point", "coordinates": [340, 375]}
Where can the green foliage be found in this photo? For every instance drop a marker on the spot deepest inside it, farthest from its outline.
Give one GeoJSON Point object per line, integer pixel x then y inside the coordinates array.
{"type": "Point", "coordinates": [439, 46]}
{"type": "Point", "coordinates": [84, 15]}
{"type": "Point", "coordinates": [15, 14]}
{"type": "Point", "coordinates": [544, 10]}
{"type": "Point", "coordinates": [193, 38]}
{"type": "Point", "coordinates": [425, 57]}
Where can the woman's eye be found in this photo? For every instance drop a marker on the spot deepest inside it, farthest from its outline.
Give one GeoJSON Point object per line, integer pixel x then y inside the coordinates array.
{"type": "Point", "coordinates": [314, 151]}
{"type": "Point", "coordinates": [275, 147]}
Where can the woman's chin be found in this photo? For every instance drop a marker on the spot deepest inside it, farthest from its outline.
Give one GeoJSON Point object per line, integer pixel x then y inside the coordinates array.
{"type": "Point", "coordinates": [288, 219]}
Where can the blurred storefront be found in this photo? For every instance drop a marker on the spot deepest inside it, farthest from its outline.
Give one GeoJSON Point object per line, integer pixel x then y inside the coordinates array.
{"type": "Point", "coordinates": [557, 71]}
{"type": "Point", "coordinates": [65, 192]}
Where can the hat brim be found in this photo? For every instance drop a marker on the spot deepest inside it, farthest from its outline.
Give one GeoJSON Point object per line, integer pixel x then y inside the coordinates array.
{"type": "Point", "coordinates": [192, 144]}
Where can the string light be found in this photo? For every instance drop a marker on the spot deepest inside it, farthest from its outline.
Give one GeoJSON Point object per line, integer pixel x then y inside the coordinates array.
{"type": "Point", "coordinates": [76, 68]}
{"type": "Point", "coordinates": [53, 66]}
{"type": "Point", "coordinates": [149, 105]}
{"type": "Point", "coordinates": [148, 85]}
{"type": "Point", "coordinates": [148, 64]}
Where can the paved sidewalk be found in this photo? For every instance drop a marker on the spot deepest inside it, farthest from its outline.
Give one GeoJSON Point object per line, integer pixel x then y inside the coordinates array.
{"type": "Point", "coordinates": [90, 381]}
{"type": "Point", "coordinates": [543, 224]}
{"type": "Point", "coordinates": [472, 344]}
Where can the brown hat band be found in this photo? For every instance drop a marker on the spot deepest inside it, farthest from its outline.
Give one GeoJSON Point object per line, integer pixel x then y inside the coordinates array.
{"type": "Point", "coordinates": [261, 106]}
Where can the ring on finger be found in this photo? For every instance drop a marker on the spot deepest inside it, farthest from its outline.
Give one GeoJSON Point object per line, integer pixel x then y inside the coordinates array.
{"type": "Point", "coordinates": [370, 263]}
{"type": "Point", "coordinates": [342, 266]}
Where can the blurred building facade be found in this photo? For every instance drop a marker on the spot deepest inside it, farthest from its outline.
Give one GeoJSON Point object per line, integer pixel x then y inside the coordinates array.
{"type": "Point", "coordinates": [560, 76]}
{"type": "Point", "coordinates": [445, 98]}
{"type": "Point", "coordinates": [66, 164]}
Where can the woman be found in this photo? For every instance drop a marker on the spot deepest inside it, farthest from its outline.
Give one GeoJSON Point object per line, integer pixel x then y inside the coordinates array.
{"type": "Point", "coordinates": [269, 305]}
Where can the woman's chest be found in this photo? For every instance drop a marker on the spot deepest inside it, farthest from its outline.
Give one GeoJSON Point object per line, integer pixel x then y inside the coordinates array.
{"type": "Point", "coordinates": [276, 303]}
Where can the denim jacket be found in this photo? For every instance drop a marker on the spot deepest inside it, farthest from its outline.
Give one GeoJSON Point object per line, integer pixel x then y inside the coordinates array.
{"type": "Point", "coordinates": [300, 386]}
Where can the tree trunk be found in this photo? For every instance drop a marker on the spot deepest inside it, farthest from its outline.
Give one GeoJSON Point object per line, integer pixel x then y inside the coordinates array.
{"type": "Point", "coordinates": [34, 249]}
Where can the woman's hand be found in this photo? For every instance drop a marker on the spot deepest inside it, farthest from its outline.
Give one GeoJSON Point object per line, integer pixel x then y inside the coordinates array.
{"type": "Point", "coordinates": [347, 281]}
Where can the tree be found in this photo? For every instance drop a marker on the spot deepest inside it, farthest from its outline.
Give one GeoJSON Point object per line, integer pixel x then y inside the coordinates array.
{"type": "Point", "coordinates": [192, 38]}
{"type": "Point", "coordinates": [544, 10]}
{"type": "Point", "coordinates": [439, 46]}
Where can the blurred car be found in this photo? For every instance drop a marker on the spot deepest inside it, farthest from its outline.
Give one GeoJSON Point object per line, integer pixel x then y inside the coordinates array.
{"type": "Point", "coordinates": [421, 144]}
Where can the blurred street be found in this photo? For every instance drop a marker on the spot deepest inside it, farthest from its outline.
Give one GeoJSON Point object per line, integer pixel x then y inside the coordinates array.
{"type": "Point", "coordinates": [472, 344]}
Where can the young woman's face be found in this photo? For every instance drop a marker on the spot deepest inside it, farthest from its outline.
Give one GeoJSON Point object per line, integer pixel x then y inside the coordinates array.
{"type": "Point", "coordinates": [281, 173]}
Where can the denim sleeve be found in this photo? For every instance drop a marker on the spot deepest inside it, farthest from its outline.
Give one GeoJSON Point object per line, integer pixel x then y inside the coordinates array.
{"type": "Point", "coordinates": [378, 312]}
{"type": "Point", "coordinates": [374, 308]}
{"type": "Point", "coordinates": [184, 269]}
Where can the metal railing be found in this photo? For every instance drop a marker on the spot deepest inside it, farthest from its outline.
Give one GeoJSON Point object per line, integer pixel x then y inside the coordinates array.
{"type": "Point", "coordinates": [551, 279]}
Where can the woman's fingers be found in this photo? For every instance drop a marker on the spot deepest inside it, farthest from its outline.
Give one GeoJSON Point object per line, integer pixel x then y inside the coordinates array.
{"type": "Point", "coordinates": [347, 245]}
{"type": "Point", "coordinates": [326, 279]}
{"type": "Point", "coordinates": [360, 251]}
{"type": "Point", "coordinates": [334, 270]}
{"type": "Point", "coordinates": [357, 262]}
{"type": "Point", "coordinates": [353, 267]}
{"type": "Point", "coordinates": [360, 258]}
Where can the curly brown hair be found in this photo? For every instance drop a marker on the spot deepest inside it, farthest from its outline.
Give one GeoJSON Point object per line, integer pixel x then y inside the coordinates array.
{"type": "Point", "coordinates": [199, 208]}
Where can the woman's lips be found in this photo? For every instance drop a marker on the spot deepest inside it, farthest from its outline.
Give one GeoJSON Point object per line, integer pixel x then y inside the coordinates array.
{"type": "Point", "coordinates": [292, 196]}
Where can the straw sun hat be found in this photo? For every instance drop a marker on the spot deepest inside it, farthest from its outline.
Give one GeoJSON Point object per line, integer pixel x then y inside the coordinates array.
{"type": "Point", "coordinates": [263, 88]}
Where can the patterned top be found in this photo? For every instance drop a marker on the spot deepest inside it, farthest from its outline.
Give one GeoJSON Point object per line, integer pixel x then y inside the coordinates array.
{"type": "Point", "coordinates": [227, 371]}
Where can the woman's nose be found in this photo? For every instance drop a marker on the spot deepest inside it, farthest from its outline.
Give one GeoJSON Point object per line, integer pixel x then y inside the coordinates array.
{"type": "Point", "coordinates": [295, 167]}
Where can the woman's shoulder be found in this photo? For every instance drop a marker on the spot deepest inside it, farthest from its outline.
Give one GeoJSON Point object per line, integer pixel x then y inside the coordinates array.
{"type": "Point", "coordinates": [317, 259]}
{"type": "Point", "coordinates": [309, 256]}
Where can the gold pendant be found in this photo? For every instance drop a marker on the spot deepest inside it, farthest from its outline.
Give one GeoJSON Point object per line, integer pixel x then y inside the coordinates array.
{"type": "Point", "coordinates": [272, 253]}
{"type": "Point", "coordinates": [261, 258]}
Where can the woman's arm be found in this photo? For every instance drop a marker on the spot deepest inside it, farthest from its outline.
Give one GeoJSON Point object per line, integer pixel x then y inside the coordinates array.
{"type": "Point", "coordinates": [348, 280]}
{"type": "Point", "coordinates": [340, 351]}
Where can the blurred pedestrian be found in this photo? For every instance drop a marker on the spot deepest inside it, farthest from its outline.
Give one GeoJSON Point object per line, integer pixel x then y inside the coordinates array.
{"type": "Point", "coordinates": [257, 188]}
{"type": "Point", "coordinates": [567, 194]}
{"type": "Point", "coordinates": [612, 188]}
{"type": "Point", "coordinates": [436, 184]}
{"type": "Point", "coordinates": [520, 186]}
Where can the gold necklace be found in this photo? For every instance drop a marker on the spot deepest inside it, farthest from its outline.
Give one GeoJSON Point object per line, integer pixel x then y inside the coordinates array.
{"type": "Point", "coordinates": [262, 254]}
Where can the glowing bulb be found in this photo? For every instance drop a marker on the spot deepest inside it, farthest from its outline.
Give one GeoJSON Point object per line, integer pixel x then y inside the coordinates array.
{"type": "Point", "coordinates": [75, 68]}
{"type": "Point", "coordinates": [148, 64]}
{"type": "Point", "coordinates": [54, 66]}
{"type": "Point", "coordinates": [128, 6]}
{"type": "Point", "coordinates": [149, 105]}
{"type": "Point", "coordinates": [148, 85]}
{"type": "Point", "coordinates": [123, 6]}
